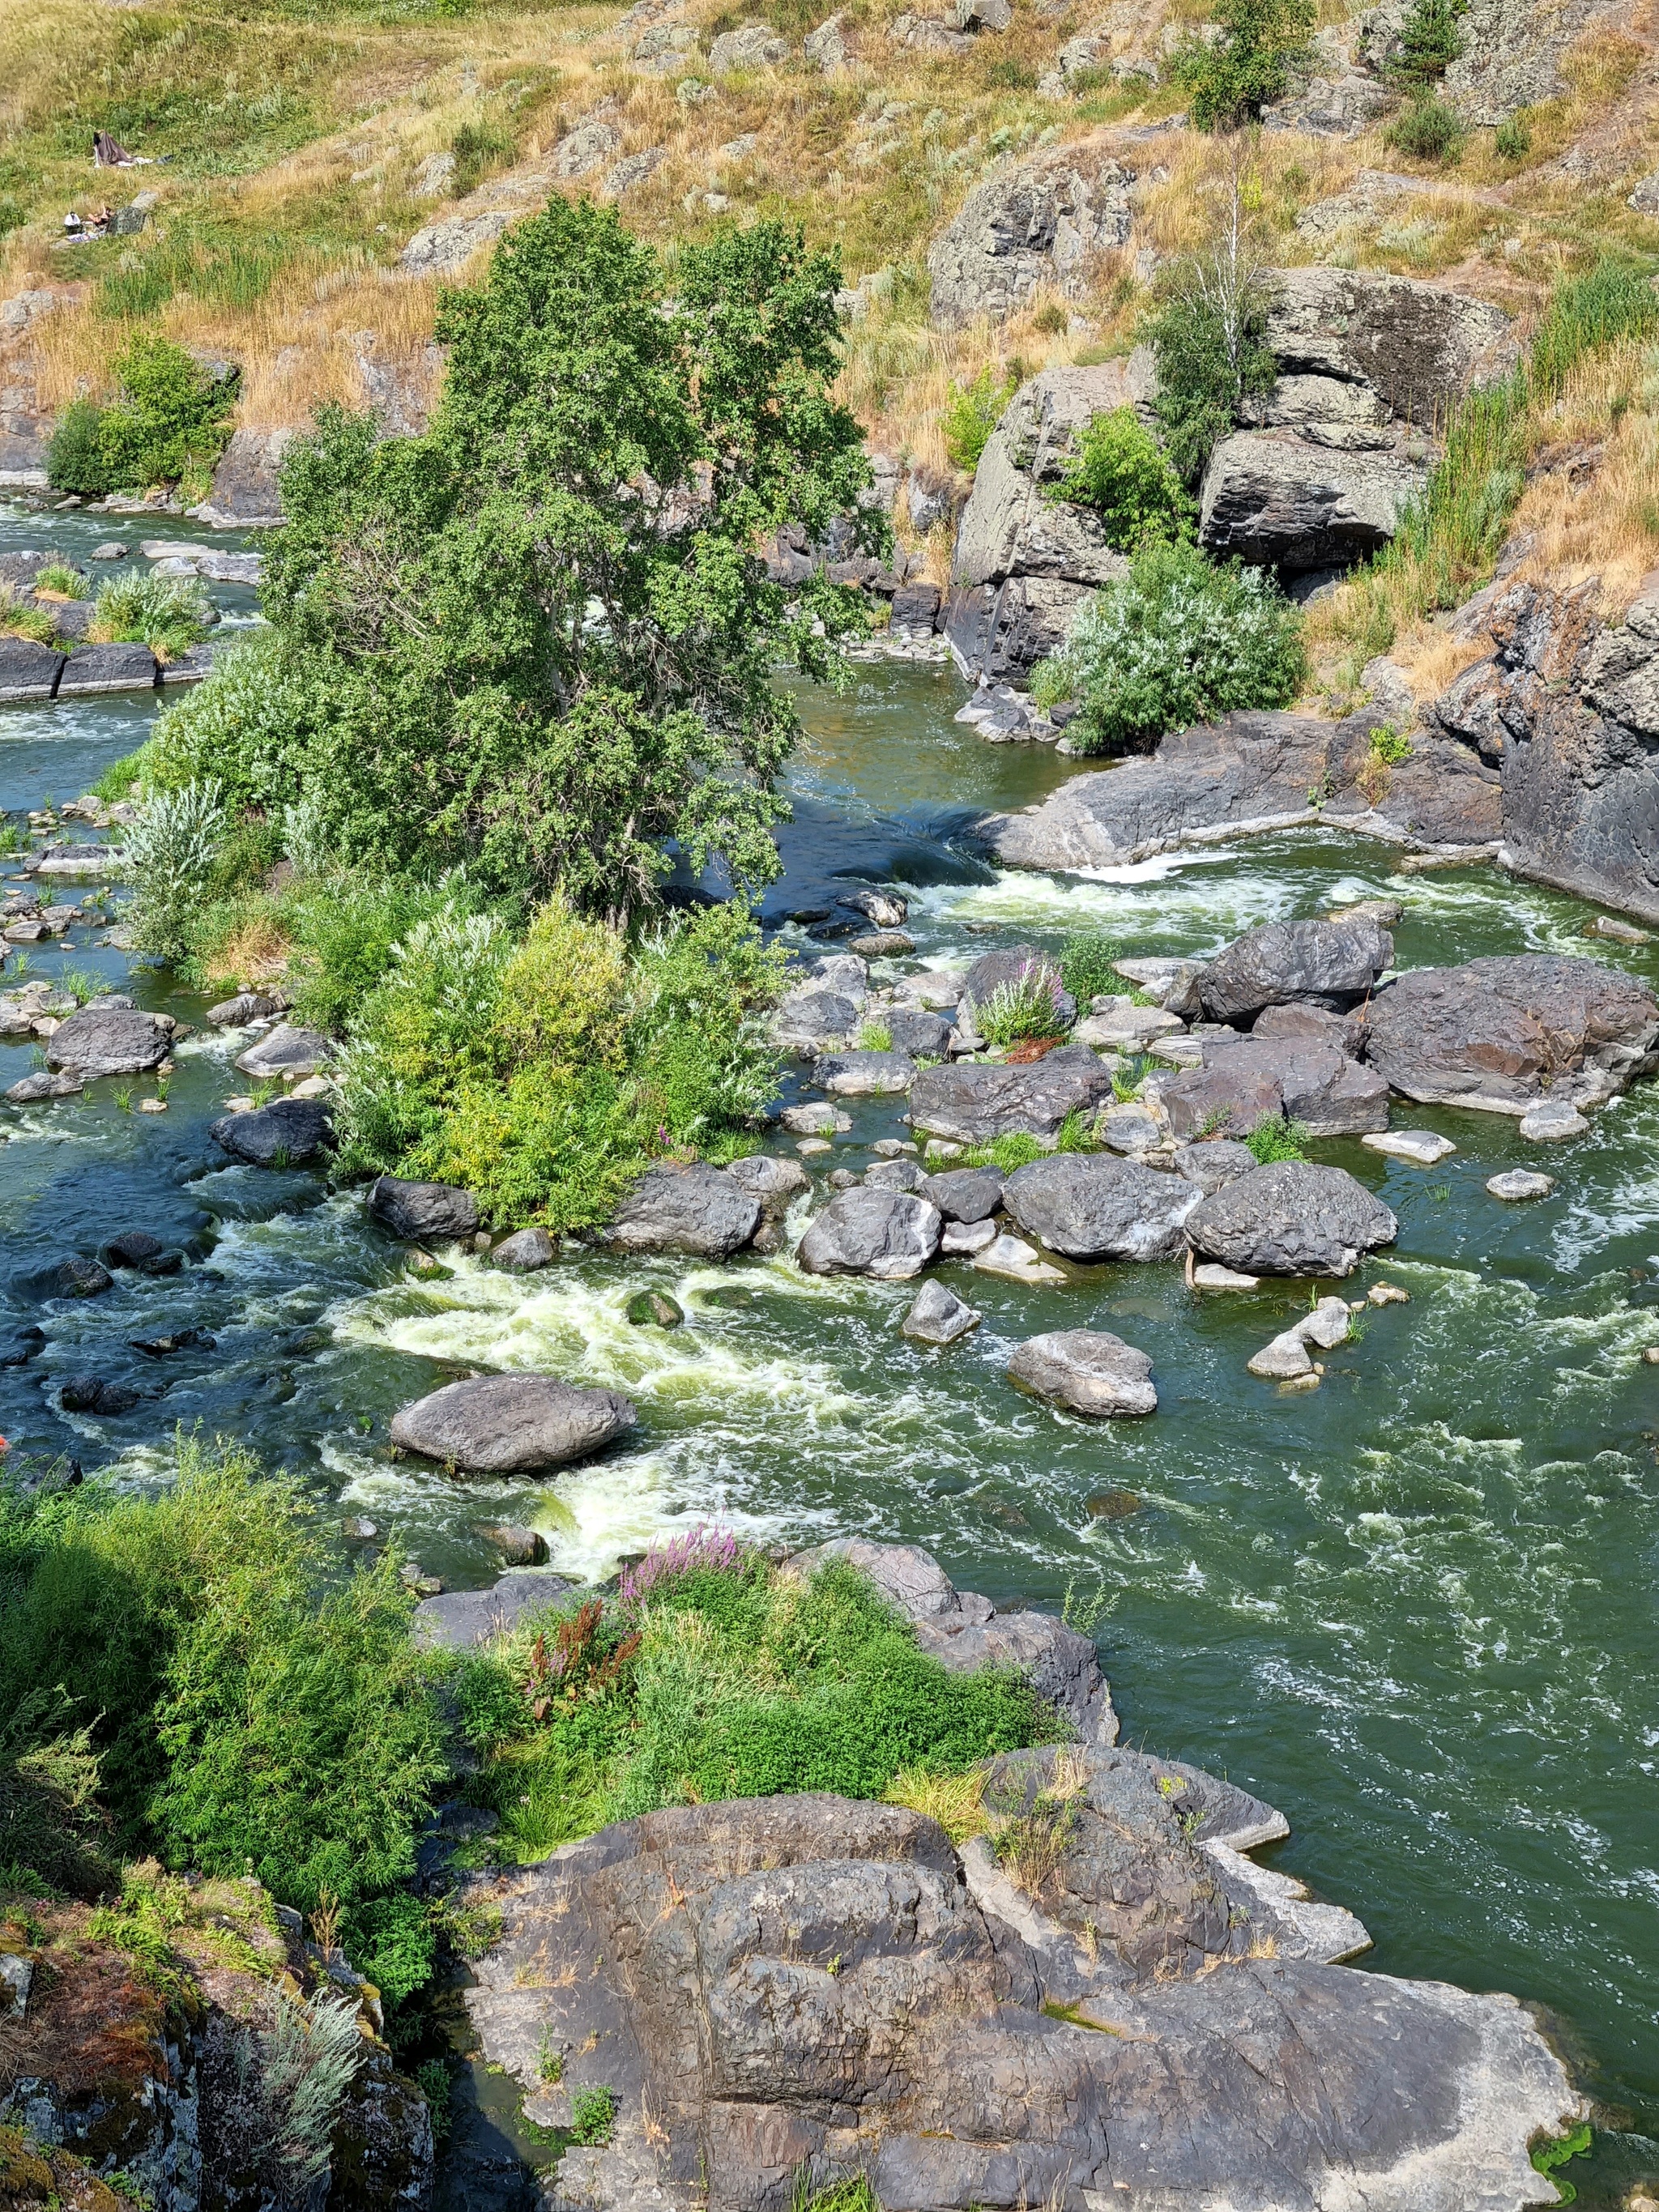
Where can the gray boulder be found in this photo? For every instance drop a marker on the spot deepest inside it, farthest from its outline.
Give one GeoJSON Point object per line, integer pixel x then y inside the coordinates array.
{"type": "Point", "coordinates": [812, 1017]}
{"type": "Point", "coordinates": [775, 1182]}
{"type": "Point", "coordinates": [756, 45]}
{"type": "Point", "coordinates": [1404, 349]}
{"type": "Point", "coordinates": [965, 1193]}
{"type": "Point", "coordinates": [1096, 1206]}
{"type": "Point", "coordinates": [896, 1175]}
{"type": "Point", "coordinates": [511, 1424]}
{"type": "Point", "coordinates": [1087, 1371]}
{"type": "Point", "coordinates": [1215, 1162]}
{"type": "Point", "coordinates": [1495, 1032]}
{"type": "Point", "coordinates": [890, 1234]}
{"type": "Point", "coordinates": [27, 670]}
{"type": "Point", "coordinates": [1331, 964]}
{"type": "Point", "coordinates": [865, 1074]}
{"type": "Point", "coordinates": [424, 1213]}
{"type": "Point", "coordinates": [975, 1101]}
{"type": "Point", "coordinates": [887, 909]}
{"type": "Point", "coordinates": [1252, 771]}
{"type": "Point", "coordinates": [1019, 965]}
{"type": "Point", "coordinates": [93, 668]}
{"type": "Point", "coordinates": [697, 1208]}
{"type": "Point", "coordinates": [939, 1317]}
{"type": "Point", "coordinates": [1045, 221]}
{"type": "Point", "coordinates": [524, 1252]}
{"type": "Point", "coordinates": [285, 1051]}
{"type": "Point", "coordinates": [1278, 501]}
{"type": "Point", "coordinates": [1290, 1218]}
{"type": "Point", "coordinates": [109, 1040]}
{"type": "Point", "coordinates": [287, 1132]}
{"type": "Point", "coordinates": [916, 1032]}
{"type": "Point", "coordinates": [462, 1620]}
{"type": "Point", "coordinates": [30, 1089]}
{"type": "Point", "coordinates": [244, 491]}
{"type": "Point", "coordinates": [1253, 1079]}
{"type": "Point", "coordinates": [246, 1006]}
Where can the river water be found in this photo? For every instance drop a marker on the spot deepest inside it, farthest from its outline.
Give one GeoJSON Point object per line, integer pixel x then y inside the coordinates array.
{"type": "Point", "coordinates": [1415, 1609]}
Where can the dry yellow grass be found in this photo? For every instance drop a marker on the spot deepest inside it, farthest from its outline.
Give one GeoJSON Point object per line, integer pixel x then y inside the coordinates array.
{"type": "Point", "coordinates": [956, 1801]}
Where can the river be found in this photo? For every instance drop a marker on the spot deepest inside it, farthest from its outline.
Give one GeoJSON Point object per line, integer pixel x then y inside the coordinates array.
{"type": "Point", "coordinates": [1415, 1609]}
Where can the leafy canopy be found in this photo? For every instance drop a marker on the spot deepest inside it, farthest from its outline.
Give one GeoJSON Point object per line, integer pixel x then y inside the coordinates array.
{"type": "Point", "coordinates": [1118, 471]}
{"type": "Point", "coordinates": [539, 639]}
{"type": "Point", "coordinates": [170, 422]}
{"type": "Point", "coordinates": [1250, 65]}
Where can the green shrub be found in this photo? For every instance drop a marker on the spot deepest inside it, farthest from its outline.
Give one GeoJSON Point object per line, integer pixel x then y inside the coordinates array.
{"type": "Point", "coordinates": [169, 614]}
{"type": "Point", "coordinates": [1427, 128]}
{"type": "Point", "coordinates": [1512, 140]}
{"type": "Point", "coordinates": [243, 725]}
{"type": "Point", "coordinates": [58, 576]}
{"type": "Point", "coordinates": [52, 1831]}
{"type": "Point", "coordinates": [169, 855]}
{"type": "Point", "coordinates": [1179, 641]}
{"type": "Point", "coordinates": [1277, 1138]}
{"type": "Point", "coordinates": [1023, 1007]}
{"type": "Point", "coordinates": [1088, 965]}
{"type": "Point", "coordinates": [20, 618]}
{"type": "Point", "coordinates": [1208, 335]}
{"type": "Point", "coordinates": [592, 2114]}
{"type": "Point", "coordinates": [1232, 80]}
{"type": "Point", "coordinates": [478, 147]}
{"type": "Point", "coordinates": [1119, 472]}
{"type": "Point", "coordinates": [971, 413]}
{"type": "Point", "coordinates": [1429, 42]}
{"type": "Point", "coordinates": [75, 458]}
{"type": "Point", "coordinates": [172, 416]}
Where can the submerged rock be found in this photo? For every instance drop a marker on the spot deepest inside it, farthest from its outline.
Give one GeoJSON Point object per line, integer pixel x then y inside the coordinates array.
{"type": "Point", "coordinates": [1292, 1218]}
{"type": "Point", "coordinates": [423, 1213]}
{"type": "Point", "coordinates": [286, 1133]}
{"type": "Point", "coordinates": [95, 1393]}
{"type": "Point", "coordinates": [694, 1208]}
{"type": "Point", "coordinates": [890, 1234]}
{"type": "Point", "coordinates": [1096, 1206]}
{"type": "Point", "coordinates": [1520, 1182]}
{"type": "Point", "coordinates": [511, 1424]}
{"type": "Point", "coordinates": [1087, 1371]}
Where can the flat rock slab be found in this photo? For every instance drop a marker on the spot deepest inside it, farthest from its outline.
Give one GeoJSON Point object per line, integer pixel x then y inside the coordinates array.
{"type": "Point", "coordinates": [423, 1212]}
{"type": "Point", "coordinates": [1290, 1218]}
{"type": "Point", "coordinates": [977, 1101]}
{"type": "Point", "coordinates": [1018, 1261]}
{"type": "Point", "coordinates": [92, 668]}
{"type": "Point", "coordinates": [284, 1052]}
{"type": "Point", "coordinates": [1422, 1147]}
{"type": "Point", "coordinates": [287, 1132]}
{"type": "Point", "coordinates": [462, 1620]}
{"type": "Point", "coordinates": [1087, 1371]}
{"type": "Point", "coordinates": [511, 1424]}
{"type": "Point", "coordinates": [817, 1119]}
{"type": "Point", "coordinates": [1490, 1034]}
{"type": "Point", "coordinates": [865, 1074]}
{"type": "Point", "coordinates": [1210, 1276]}
{"type": "Point", "coordinates": [109, 1040]}
{"type": "Point", "coordinates": [1551, 1121]}
{"type": "Point", "coordinates": [890, 1234]}
{"type": "Point", "coordinates": [1520, 1182]}
{"type": "Point", "coordinates": [695, 1209]}
{"type": "Point", "coordinates": [962, 1237]}
{"type": "Point", "coordinates": [939, 1317]}
{"type": "Point", "coordinates": [27, 670]}
{"type": "Point", "coordinates": [1096, 1206]}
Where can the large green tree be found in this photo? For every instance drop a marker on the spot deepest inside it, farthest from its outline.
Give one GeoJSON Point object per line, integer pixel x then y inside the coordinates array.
{"type": "Point", "coordinates": [541, 638]}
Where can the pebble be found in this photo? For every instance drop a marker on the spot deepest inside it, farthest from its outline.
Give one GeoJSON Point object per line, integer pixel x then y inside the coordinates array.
{"type": "Point", "coordinates": [360, 1529]}
{"type": "Point", "coordinates": [1520, 1182]}
{"type": "Point", "coordinates": [842, 1179]}
{"type": "Point", "coordinates": [1421, 1146]}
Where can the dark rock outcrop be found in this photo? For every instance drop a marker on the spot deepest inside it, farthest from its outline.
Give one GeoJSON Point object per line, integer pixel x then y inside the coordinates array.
{"type": "Point", "coordinates": [890, 1234]}
{"type": "Point", "coordinates": [1495, 1033]}
{"type": "Point", "coordinates": [1045, 221]}
{"type": "Point", "coordinates": [975, 1101]}
{"type": "Point", "coordinates": [511, 1424]}
{"type": "Point", "coordinates": [109, 1040]}
{"type": "Point", "coordinates": [1292, 1218]}
{"type": "Point", "coordinates": [694, 1208]}
{"type": "Point", "coordinates": [1254, 1079]}
{"type": "Point", "coordinates": [1094, 1206]}
{"type": "Point", "coordinates": [965, 1193]}
{"type": "Point", "coordinates": [1330, 965]}
{"type": "Point", "coordinates": [287, 1132]}
{"type": "Point", "coordinates": [424, 1213]}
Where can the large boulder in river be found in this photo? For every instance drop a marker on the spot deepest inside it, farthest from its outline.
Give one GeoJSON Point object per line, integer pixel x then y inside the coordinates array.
{"type": "Point", "coordinates": [965, 1193]}
{"type": "Point", "coordinates": [1290, 1218]}
{"type": "Point", "coordinates": [810, 1984]}
{"type": "Point", "coordinates": [109, 1040]}
{"type": "Point", "coordinates": [1087, 1371]}
{"type": "Point", "coordinates": [1247, 1080]}
{"type": "Point", "coordinates": [511, 1424]}
{"type": "Point", "coordinates": [890, 1234]}
{"type": "Point", "coordinates": [865, 1074]}
{"type": "Point", "coordinates": [1254, 771]}
{"type": "Point", "coordinates": [808, 1019]}
{"type": "Point", "coordinates": [975, 1101]}
{"type": "Point", "coordinates": [694, 1208]}
{"type": "Point", "coordinates": [286, 1133]}
{"type": "Point", "coordinates": [1094, 1206]}
{"type": "Point", "coordinates": [1496, 1032]}
{"type": "Point", "coordinates": [425, 1213]}
{"type": "Point", "coordinates": [1331, 964]}
{"type": "Point", "coordinates": [286, 1051]}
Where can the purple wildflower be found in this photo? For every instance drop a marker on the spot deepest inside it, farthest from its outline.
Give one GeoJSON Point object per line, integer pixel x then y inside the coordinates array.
{"type": "Point", "coordinates": [703, 1549]}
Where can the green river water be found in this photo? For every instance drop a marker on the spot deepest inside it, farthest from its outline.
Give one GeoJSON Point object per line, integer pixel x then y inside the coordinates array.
{"type": "Point", "coordinates": [1416, 1608]}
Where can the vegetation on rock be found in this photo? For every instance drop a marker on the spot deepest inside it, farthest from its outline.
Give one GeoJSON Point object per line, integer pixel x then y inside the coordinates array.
{"type": "Point", "coordinates": [1208, 335]}
{"type": "Point", "coordinates": [1231, 80]}
{"type": "Point", "coordinates": [972, 412]}
{"type": "Point", "coordinates": [1119, 470]}
{"type": "Point", "coordinates": [168, 426]}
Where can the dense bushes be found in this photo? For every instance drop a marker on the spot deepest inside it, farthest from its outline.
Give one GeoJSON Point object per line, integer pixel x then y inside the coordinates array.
{"type": "Point", "coordinates": [1230, 80]}
{"type": "Point", "coordinates": [971, 414]}
{"type": "Point", "coordinates": [1180, 640]}
{"type": "Point", "coordinates": [1207, 334]}
{"type": "Point", "coordinates": [1427, 128]}
{"type": "Point", "coordinates": [720, 1677]}
{"type": "Point", "coordinates": [169, 424]}
{"type": "Point", "coordinates": [1119, 472]}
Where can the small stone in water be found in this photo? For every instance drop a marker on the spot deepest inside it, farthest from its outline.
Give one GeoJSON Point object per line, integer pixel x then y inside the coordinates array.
{"type": "Point", "coordinates": [1020, 1262]}
{"type": "Point", "coordinates": [1213, 1276]}
{"type": "Point", "coordinates": [518, 1546]}
{"type": "Point", "coordinates": [152, 1105]}
{"type": "Point", "coordinates": [842, 1179]}
{"type": "Point", "coordinates": [1388, 1294]}
{"type": "Point", "coordinates": [1308, 1382]}
{"type": "Point", "coordinates": [358, 1528]}
{"type": "Point", "coordinates": [421, 1263]}
{"type": "Point", "coordinates": [242, 1105]}
{"type": "Point", "coordinates": [1551, 1121]}
{"type": "Point", "coordinates": [1651, 1355]}
{"type": "Point", "coordinates": [889, 1148]}
{"type": "Point", "coordinates": [961, 1237]}
{"type": "Point", "coordinates": [816, 1120]}
{"type": "Point", "coordinates": [1520, 1182]}
{"type": "Point", "coordinates": [1421, 1146]}
{"type": "Point", "coordinates": [648, 1308]}
{"type": "Point", "coordinates": [809, 1146]}
{"type": "Point", "coordinates": [1113, 1505]}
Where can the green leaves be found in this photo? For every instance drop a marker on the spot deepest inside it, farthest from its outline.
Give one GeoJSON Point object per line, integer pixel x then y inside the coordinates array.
{"type": "Point", "coordinates": [1118, 471]}
{"type": "Point", "coordinates": [1250, 65]}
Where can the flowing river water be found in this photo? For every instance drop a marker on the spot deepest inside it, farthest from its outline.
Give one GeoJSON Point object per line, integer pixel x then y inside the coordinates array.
{"type": "Point", "coordinates": [1416, 1608]}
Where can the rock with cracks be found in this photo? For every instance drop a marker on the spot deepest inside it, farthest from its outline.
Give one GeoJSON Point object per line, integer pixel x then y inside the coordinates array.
{"type": "Point", "coordinates": [424, 1213]}
{"type": "Point", "coordinates": [109, 1040]}
{"type": "Point", "coordinates": [287, 1132]}
{"type": "Point", "coordinates": [1092, 1205]}
{"type": "Point", "coordinates": [1087, 1371]}
{"type": "Point", "coordinates": [1290, 1218]}
{"type": "Point", "coordinates": [1328, 964]}
{"type": "Point", "coordinates": [699, 1209]}
{"type": "Point", "coordinates": [890, 1234]}
{"type": "Point", "coordinates": [511, 1424]}
{"type": "Point", "coordinates": [1248, 1080]}
{"type": "Point", "coordinates": [974, 1102]}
